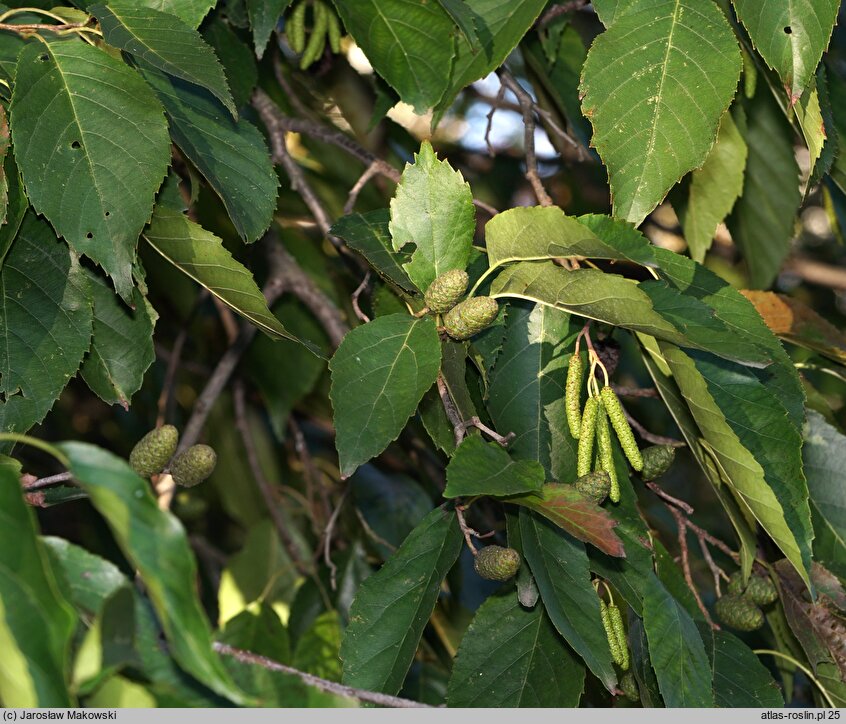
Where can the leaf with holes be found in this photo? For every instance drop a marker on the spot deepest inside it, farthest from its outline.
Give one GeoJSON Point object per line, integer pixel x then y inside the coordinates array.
{"type": "Point", "coordinates": [94, 168]}
{"type": "Point", "coordinates": [654, 86]}
{"type": "Point", "coordinates": [790, 36]}
{"type": "Point", "coordinates": [166, 42]}
{"type": "Point", "coordinates": [432, 209]}
{"type": "Point", "coordinates": [45, 324]}
{"type": "Point", "coordinates": [380, 372]}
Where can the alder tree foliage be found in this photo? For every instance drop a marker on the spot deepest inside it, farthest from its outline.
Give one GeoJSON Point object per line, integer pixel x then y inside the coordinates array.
{"type": "Point", "coordinates": [397, 353]}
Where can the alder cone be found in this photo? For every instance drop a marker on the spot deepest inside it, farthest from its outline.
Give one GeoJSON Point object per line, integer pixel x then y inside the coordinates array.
{"type": "Point", "coordinates": [153, 451]}
{"type": "Point", "coordinates": [470, 317]}
{"type": "Point", "coordinates": [443, 293]}
{"type": "Point", "coordinates": [629, 686]}
{"type": "Point", "coordinates": [656, 461]}
{"type": "Point", "coordinates": [497, 563]}
{"type": "Point", "coordinates": [760, 589]}
{"type": "Point", "coordinates": [193, 466]}
{"type": "Point", "coordinates": [595, 485]}
{"type": "Point", "coordinates": [739, 612]}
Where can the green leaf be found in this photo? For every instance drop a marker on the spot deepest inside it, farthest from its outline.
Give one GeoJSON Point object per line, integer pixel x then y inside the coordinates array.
{"type": "Point", "coordinates": [409, 43]}
{"type": "Point", "coordinates": [237, 59]}
{"type": "Point", "coordinates": [462, 16]}
{"type": "Point", "coordinates": [578, 515]}
{"type": "Point", "coordinates": [259, 629]}
{"type": "Point", "coordinates": [713, 189]}
{"type": "Point", "coordinates": [656, 117]}
{"type": "Point", "coordinates": [676, 650]}
{"type": "Point", "coordinates": [191, 11]}
{"type": "Point", "coordinates": [202, 256]}
{"type": "Point", "coordinates": [45, 324]}
{"type": "Point", "coordinates": [810, 118]}
{"type": "Point", "coordinates": [380, 372]}
{"type": "Point", "coordinates": [165, 42]}
{"type": "Point", "coordinates": [485, 468]}
{"type": "Point", "coordinates": [790, 36]}
{"type": "Point", "coordinates": [231, 155]}
{"type": "Point", "coordinates": [156, 545]}
{"type": "Point", "coordinates": [264, 14]}
{"type": "Point", "coordinates": [16, 208]}
{"type": "Point", "coordinates": [120, 693]}
{"type": "Point", "coordinates": [763, 217]}
{"type": "Point", "coordinates": [589, 293]}
{"type": "Point", "coordinates": [642, 669]}
{"type": "Point", "coordinates": [513, 657]}
{"type": "Point", "coordinates": [90, 579]}
{"type": "Point", "coordinates": [433, 209]}
{"type": "Point", "coordinates": [526, 391]}
{"type": "Point", "coordinates": [392, 606]}
{"type": "Point", "coordinates": [370, 235]}
{"type": "Point", "coordinates": [740, 680]}
{"type": "Point", "coordinates": [824, 454]}
{"type": "Point", "coordinates": [122, 345]}
{"type": "Point", "coordinates": [36, 623]}
{"type": "Point", "coordinates": [94, 169]}
{"type": "Point", "coordinates": [560, 567]}
{"type": "Point", "coordinates": [499, 25]}
{"type": "Point", "coordinates": [722, 405]}
{"type": "Point", "coordinates": [317, 649]}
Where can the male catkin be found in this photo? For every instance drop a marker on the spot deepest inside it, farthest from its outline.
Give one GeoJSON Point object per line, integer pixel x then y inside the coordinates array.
{"type": "Point", "coordinates": [613, 641]}
{"type": "Point", "coordinates": [573, 395]}
{"type": "Point", "coordinates": [584, 454]}
{"type": "Point", "coordinates": [616, 619]}
{"type": "Point", "coordinates": [317, 39]}
{"type": "Point", "coordinates": [621, 426]}
{"type": "Point", "coordinates": [295, 29]}
{"type": "Point", "coordinates": [334, 32]}
{"type": "Point", "coordinates": [605, 450]}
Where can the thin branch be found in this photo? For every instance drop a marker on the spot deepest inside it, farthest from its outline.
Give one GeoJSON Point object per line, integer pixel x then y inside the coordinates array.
{"type": "Point", "coordinates": [527, 105]}
{"type": "Point", "coordinates": [623, 391]}
{"type": "Point", "coordinates": [492, 434]}
{"type": "Point", "coordinates": [372, 170]}
{"type": "Point", "coordinates": [652, 437]}
{"type": "Point", "coordinates": [310, 472]}
{"type": "Point", "coordinates": [355, 298]}
{"type": "Point", "coordinates": [264, 486]}
{"type": "Point", "coordinates": [371, 697]}
{"type": "Point", "coordinates": [495, 103]}
{"type": "Point", "coordinates": [669, 498]}
{"type": "Point", "coordinates": [40, 483]}
{"type": "Point", "coordinates": [327, 541]}
{"type": "Point", "coordinates": [681, 522]}
{"type": "Point", "coordinates": [558, 10]}
{"type": "Point", "coordinates": [816, 272]}
{"type": "Point", "coordinates": [466, 529]}
{"type": "Point", "coordinates": [459, 429]}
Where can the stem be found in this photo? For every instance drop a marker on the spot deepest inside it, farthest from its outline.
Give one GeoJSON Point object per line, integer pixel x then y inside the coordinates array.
{"type": "Point", "coordinates": [802, 668]}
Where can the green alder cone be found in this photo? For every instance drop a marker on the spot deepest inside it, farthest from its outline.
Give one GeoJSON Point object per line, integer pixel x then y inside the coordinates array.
{"type": "Point", "coordinates": [739, 612]}
{"type": "Point", "coordinates": [760, 589]}
{"type": "Point", "coordinates": [443, 293]}
{"type": "Point", "coordinates": [470, 317]}
{"type": "Point", "coordinates": [735, 584]}
{"type": "Point", "coordinates": [153, 451]}
{"type": "Point", "coordinates": [193, 466]}
{"type": "Point", "coordinates": [595, 485]}
{"type": "Point", "coordinates": [657, 460]}
{"type": "Point", "coordinates": [497, 563]}
{"type": "Point", "coordinates": [629, 687]}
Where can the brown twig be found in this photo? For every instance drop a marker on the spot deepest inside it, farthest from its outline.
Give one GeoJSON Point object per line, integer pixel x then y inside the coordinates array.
{"type": "Point", "coordinates": [669, 498]}
{"type": "Point", "coordinates": [357, 294]}
{"type": "Point", "coordinates": [459, 429]}
{"type": "Point", "coordinates": [496, 104]}
{"type": "Point", "coordinates": [623, 391]}
{"type": "Point", "coordinates": [32, 485]}
{"type": "Point", "coordinates": [527, 105]}
{"type": "Point", "coordinates": [492, 434]}
{"type": "Point", "coordinates": [558, 10]}
{"type": "Point", "coordinates": [816, 272]}
{"type": "Point", "coordinates": [652, 437]}
{"type": "Point", "coordinates": [310, 472]}
{"type": "Point", "coordinates": [327, 541]}
{"type": "Point", "coordinates": [466, 529]}
{"type": "Point", "coordinates": [372, 170]}
{"type": "Point", "coordinates": [264, 486]}
{"type": "Point", "coordinates": [681, 523]}
{"type": "Point", "coordinates": [371, 697]}
{"type": "Point", "coordinates": [170, 376]}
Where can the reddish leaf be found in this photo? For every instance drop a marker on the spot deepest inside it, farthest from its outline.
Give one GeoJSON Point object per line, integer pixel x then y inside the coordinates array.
{"type": "Point", "coordinates": [580, 517]}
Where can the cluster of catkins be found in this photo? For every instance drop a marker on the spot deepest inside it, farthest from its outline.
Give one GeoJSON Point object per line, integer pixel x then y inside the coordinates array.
{"type": "Point", "coordinates": [154, 454]}
{"type": "Point", "coordinates": [461, 320]}
{"type": "Point", "coordinates": [324, 26]}
{"type": "Point", "coordinates": [740, 608]}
